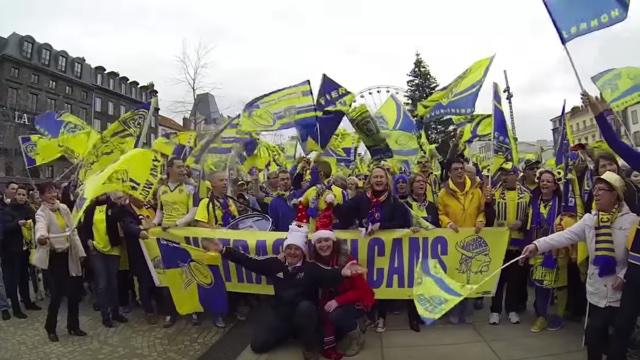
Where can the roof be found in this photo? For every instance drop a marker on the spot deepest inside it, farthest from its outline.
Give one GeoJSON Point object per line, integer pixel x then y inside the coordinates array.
{"type": "Point", "coordinates": [169, 123]}
{"type": "Point", "coordinates": [206, 109]}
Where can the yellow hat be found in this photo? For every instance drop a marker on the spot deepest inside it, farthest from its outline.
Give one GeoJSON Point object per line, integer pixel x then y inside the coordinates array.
{"type": "Point", "coordinates": [615, 181]}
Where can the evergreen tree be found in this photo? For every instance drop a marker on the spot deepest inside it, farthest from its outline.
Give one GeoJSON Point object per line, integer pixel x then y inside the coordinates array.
{"type": "Point", "coordinates": [421, 83]}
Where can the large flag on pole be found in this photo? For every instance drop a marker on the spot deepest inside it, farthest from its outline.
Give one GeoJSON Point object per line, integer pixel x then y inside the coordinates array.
{"type": "Point", "coordinates": [369, 132]}
{"type": "Point", "coordinates": [576, 18]}
{"type": "Point", "coordinates": [504, 147]}
{"type": "Point", "coordinates": [38, 149]}
{"type": "Point", "coordinates": [477, 127]}
{"type": "Point", "coordinates": [395, 115]}
{"type": "Point", "coordinates": [74, 134]}
{"type": "Point", "coordinates": [459, 97]}
{"type": "Point", "coordinates": [619, 87]}
{"type": "Point", "coordinates": [279, 109]}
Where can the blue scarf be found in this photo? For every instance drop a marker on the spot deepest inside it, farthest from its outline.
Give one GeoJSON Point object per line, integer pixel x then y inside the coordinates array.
{"type": "Point", "coordinates": [542, 225]}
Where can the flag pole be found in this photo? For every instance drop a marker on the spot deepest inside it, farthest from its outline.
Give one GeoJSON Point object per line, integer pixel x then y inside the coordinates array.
{"type": "Point", "coordinates": [145, 127]}
{"type": "Point", "coordinates": [573, 66]}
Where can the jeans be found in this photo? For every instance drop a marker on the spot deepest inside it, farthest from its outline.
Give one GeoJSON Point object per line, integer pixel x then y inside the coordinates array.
{"type": "Point", "coordinates": [147, 289]}
{"type": "Point", "coordinates": [345, 319]}
{"type": "Point", "coordinates": [628, 314]}
{"type": "Point", "coordinates": [278, 326]}
{"type": "Point", "coordinates": [4, 303]}
{"type": "Point", "coordinates": [514, 278]}
{"type": "Point", "coordinates": [61, 284]}
{"type": "Point", "coordinates": [105, 270]}
{"type": "Point", "coordinates": [15, 268]}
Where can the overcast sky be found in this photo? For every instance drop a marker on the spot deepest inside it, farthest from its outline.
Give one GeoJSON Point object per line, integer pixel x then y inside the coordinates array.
{"type": "Point", "coordinates": [264, 45]}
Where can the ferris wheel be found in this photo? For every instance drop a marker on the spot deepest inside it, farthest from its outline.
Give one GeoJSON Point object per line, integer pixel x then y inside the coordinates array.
{"type": "Point", "coordinates": [375, 96]}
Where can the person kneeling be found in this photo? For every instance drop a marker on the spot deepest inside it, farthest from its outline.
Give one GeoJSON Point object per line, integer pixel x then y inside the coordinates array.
{"type": "Point", "coordinates": [343, 305]}
{"type": "Point", "coordinates": [295, 282]}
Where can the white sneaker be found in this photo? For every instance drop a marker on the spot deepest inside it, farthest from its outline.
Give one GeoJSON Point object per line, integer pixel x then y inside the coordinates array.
{"type": "Point", "coordinates": [219, 322]}
{"type": "Point", "coordinates": [494, 319]}
{"type": "Point", "coordinates": [514, 318]}
{"type": "Point", "coordinates": [380, 328]}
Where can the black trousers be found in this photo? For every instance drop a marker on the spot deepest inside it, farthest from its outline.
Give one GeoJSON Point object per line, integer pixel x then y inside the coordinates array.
{"type": "Point", "coordinates": [576, 292]}
{"type": "Point", "coordinates": [61, 284]}
{"type": "Point", "coordinates": [514, 279]}
{"type": "Point", "coordinates": [15, 270]}
{"type": "Point", "coordinates": [279, 325]}
{"type": "Point", "coordinates": [597, 331]}
{"type": "Point", "coordinates": [627, 315]}
{"type": "Point", "coordinates": [345, 319]}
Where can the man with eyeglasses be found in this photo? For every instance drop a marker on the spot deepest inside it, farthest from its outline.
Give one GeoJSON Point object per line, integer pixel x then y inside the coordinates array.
{"type": "Point", "coordinates": [529, 172]}
{"type": "Point", "coordinates": [460, 205]}
{"type": "Point", "coordinates": [605, 232]}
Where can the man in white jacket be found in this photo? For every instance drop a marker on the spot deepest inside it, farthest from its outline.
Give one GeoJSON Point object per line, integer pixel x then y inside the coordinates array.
{"type": "Point", "coordinates": [605, 232]}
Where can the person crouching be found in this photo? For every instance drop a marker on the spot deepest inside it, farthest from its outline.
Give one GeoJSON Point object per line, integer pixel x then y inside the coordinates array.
{"type": "Point", "coordinates": [295, 282]}
{"type": "Point", "coordinates": [343, 305]}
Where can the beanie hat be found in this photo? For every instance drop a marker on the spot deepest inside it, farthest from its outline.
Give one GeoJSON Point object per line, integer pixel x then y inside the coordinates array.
{"type": "Point", "coordinates": [297, 236]}
{"type": "Point", "coordinates": [324, 226]}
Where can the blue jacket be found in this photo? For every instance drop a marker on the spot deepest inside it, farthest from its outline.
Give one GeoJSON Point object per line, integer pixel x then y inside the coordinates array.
{"type": "Point", "coordinates": [281, 213]}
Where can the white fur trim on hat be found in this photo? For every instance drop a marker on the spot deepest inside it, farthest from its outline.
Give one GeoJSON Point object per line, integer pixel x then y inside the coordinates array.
{"type": "Point", "coordinates": [323, 234]}
{"type": "Point", "coordinates": [297, 236]}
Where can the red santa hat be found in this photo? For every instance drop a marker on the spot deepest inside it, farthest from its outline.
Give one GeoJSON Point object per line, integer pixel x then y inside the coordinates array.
{"type": "Point", "coordinates": [324, 226]}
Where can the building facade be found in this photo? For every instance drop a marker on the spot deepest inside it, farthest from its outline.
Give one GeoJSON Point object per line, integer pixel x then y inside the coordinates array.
{"type": "Point", "coordinates": [35, 77]}
{"type": "Point", "coordinates": [633, 121]}
{"type": "Point", "coordinates": [167, 125]}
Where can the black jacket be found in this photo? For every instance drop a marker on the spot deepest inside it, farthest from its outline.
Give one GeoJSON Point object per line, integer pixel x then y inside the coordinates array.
{"type": "Point", "coordinates": [86, 227]}
{"type": "Point", "coordinates": [395, 215]}
{"type": "Point", "coordinates": [13, 241]}
{"type": "Point", "coordinates": [291, 286]}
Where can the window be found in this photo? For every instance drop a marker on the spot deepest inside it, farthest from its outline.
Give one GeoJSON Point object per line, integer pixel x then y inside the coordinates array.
{"type": "Point", "coordinates": [133, 92]}
{"type": "Point", "coordinates": [123, 88]}
{"type": "Point", "coordinates": [153, 138]}
{"type": "Point", "coordinates": [123, 110]}
{"type": "Point", "coordinates": [83, 113]}
{"type": "Point", "coordinates": [68, 90]}
{"type": "Point", "coordinates": [99, 79]}
{"type": "Point", "coordinates": [12, 97]}
{"type": "Point", "coordinates": [636, 138]}
{"type": "Point", "coordinates": [85, 95]}
{"type": "Point", "coordinates": [35, 78]}
{"type": "Point", "coordinates": [109, 108]}
{"type": "Point", "coordinates": [33, 102]}
{"type": "Point", "coordinates": [144, 96]}
{"type": "Point", "coordinates": [45, 57]}
{"type": "Point", "coordinates": [51, 104]}
{"type": "Point", "coordinates": [68, 107]}
{"type": "Point", "coordinates": [111, 83]}
{"type": "Point", "coordinates": [62, 63]}
{"type": "Point", "coordinates": [153, 121]}
{"type": "Point", "coordinates": [634, 117]}
{"type": "Point", "coordinates": [48, 172]}
{"type": "Point", "coordinates": [27, 48]}
{"type": "Point", "coordinates": [98, 104]}
{"type": "Point", "coordinates": [15, 72]}
{"type": "Point", "coordinates": [52, 84]}
{"type": "Point", "coordinates": [96, 124]}
{"type": "Point", "coordinates": [77, 69]}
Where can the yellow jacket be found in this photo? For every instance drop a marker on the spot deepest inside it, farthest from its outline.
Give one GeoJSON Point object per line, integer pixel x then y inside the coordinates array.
{"type": "Point", "coordinates": [463, 208]}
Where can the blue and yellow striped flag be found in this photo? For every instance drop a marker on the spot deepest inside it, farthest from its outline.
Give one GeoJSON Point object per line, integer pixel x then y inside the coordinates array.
{"type": "Point", "coordinates": [191, 274]}
{"type": "Point", "coordinates": [280, 109]}
{"type": "Point", "coordinates": [434, 292]}
{"type": "Point", "coordinates": [459, 97]}
{"type": "Point", "coordinates": [619, 87]}
{"type": "Point", "coordinates": [38, 150]}
{"type": "Point", "coordinates": [395, 115]}
{"type": "Point", "coordinates": [478, 127]}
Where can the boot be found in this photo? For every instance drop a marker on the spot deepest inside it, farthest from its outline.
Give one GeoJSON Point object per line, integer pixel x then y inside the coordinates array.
{"type": "Point", "coordinates": [310, 355]}
{"type": "Point", "coordinates": [352, 343]}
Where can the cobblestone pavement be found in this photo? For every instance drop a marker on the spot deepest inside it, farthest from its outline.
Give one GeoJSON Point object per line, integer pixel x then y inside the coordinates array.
{"type": "Point", "coordinates": [26, 339]}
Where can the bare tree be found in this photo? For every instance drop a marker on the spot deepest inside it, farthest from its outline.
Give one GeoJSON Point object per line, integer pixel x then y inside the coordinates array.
{"type": "Point", "coordinates": [194, 64]}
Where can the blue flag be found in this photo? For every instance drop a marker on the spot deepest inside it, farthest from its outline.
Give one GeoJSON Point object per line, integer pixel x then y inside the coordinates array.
{"type": "Point", "coordinates": [576, 18]}
{"type": "Point", "coordinates": [502, 145]}
{"type": "Point", "coordinates": [563, 142]}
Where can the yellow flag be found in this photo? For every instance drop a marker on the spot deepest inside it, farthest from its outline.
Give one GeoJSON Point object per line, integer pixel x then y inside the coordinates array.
{"type": "Point", "coordinates": [136, 173]}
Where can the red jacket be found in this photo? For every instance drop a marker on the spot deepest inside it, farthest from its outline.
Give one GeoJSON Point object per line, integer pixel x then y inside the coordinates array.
{"type": "Point", "coordinates": [352, 290]}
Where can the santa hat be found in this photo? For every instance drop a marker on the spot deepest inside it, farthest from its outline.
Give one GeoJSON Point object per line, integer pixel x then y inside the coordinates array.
{"type": "Point", "coordinates": [324, 226]}
{"type": "Point", "coordinates": [297, 236]}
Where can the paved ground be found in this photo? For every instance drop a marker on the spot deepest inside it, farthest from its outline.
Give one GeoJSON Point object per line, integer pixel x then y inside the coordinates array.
{"type": "Point", "coordinates": [452, 342]}
{"type": "Point", "coordinates": [26, 339]}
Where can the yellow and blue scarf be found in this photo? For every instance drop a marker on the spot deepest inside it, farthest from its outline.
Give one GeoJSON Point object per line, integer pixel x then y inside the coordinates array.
{"type": "Point", "coordinates": [605, 256]}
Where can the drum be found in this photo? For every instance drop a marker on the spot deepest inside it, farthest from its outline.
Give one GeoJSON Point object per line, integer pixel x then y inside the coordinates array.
{"type": "Point", "coordinates": [254, 221]}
